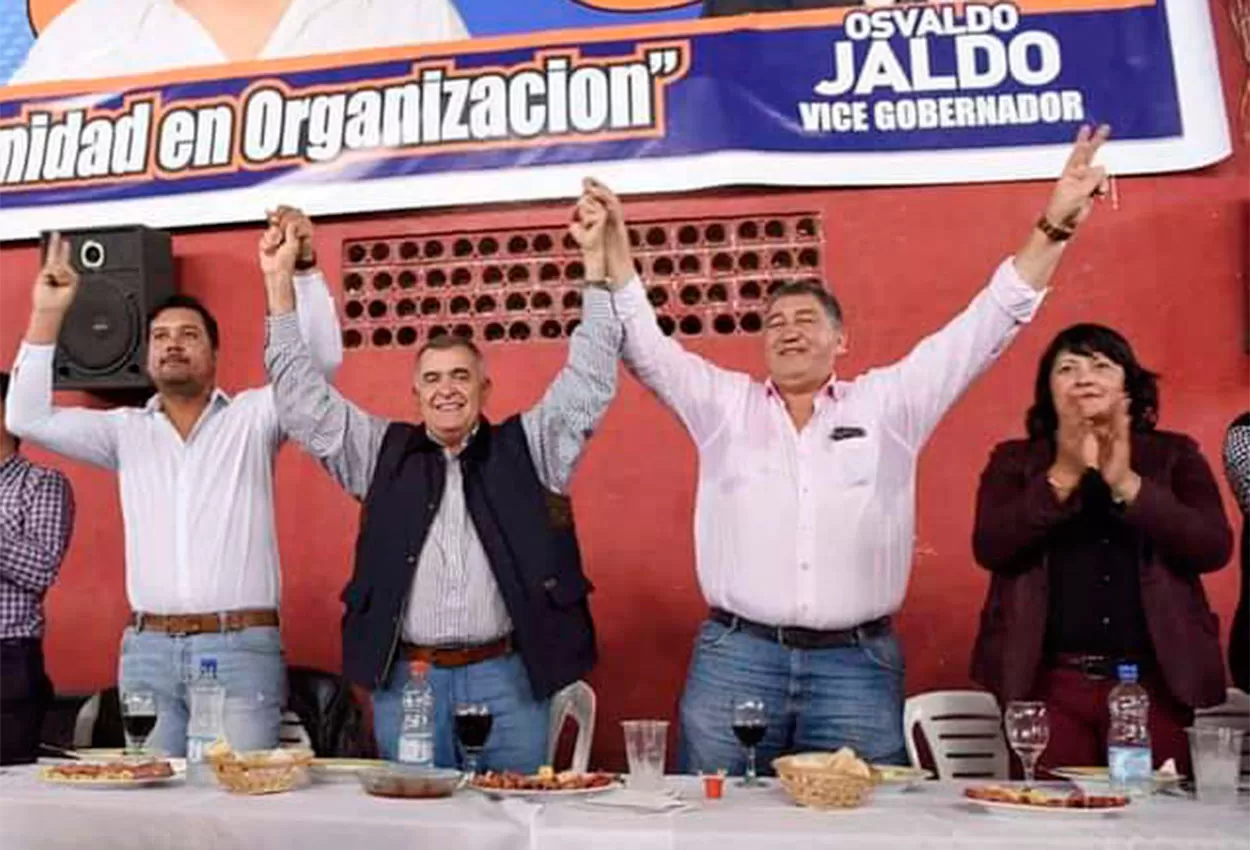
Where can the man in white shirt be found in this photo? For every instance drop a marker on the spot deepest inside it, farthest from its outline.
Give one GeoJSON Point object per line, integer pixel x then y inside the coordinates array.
{"type": "Point", "coordinates": [195, 471]}
{"type": "Point", "coordinates": [145, 36]}
{"type": "Point", "coordinates": [805, 506]}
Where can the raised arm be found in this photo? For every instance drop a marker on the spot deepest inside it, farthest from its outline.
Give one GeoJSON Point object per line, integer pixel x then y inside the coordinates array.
{"type": "Point", "coordinates": [318, 318]}
{"type": "Point", "coordinates": [558, 426]}
{"type": "Point", "coordinates": [921, 387]}
{"type": "Point", "coordinates": [336, 432]}
{"type": "Point", "coordinates": [33, 541]}
{"type": "Point", "coordinates": [698, 392]}
{"type": "Point", "coordinates": [86, 435]}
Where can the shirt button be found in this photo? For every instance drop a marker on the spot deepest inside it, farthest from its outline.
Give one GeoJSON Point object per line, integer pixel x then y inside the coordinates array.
{"type": "Point", "coordinates": [805, 567]}
{"type": "Point", "coordinates": [1105, 541]}
{"type": "Point", "coordinates": [412, 559]}
{"type": "Point", "coordinates": [1106, 579]}
{"type": "Point", "coordinates": [1106, 621]}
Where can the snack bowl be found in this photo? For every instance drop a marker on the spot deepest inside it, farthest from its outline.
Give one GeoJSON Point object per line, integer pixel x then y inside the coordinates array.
{"type": "Point", "coordinates": [413, 783]}
{"type": "Point", "coordinates": [825, 780]}
{"type": "Point", "coordinates": [260, 771]}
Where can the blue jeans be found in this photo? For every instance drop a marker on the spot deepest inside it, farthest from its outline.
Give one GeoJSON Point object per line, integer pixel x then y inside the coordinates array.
{"type": "Point", "coordinates": [816, 699]}
{"type": "Point", "coordinates": [518, 735]}
{"type": "Point", "coordinates": [249, 666]}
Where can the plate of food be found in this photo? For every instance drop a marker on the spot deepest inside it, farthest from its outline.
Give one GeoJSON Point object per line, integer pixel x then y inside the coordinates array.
{"type": "Point", "coordinates": [892, 777]}
{"type": "Point", "coordinates": [1036, 800]}
{"type": "Point", "coordinates": [410, 783]}
{"type": "Point", "coordinates": [114, 773]}
{"type": "Point", "coordinates": [546, 783]}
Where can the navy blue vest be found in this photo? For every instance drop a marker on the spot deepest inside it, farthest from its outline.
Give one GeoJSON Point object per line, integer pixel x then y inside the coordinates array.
{"type": "Point", "coordinates": [527, 533]}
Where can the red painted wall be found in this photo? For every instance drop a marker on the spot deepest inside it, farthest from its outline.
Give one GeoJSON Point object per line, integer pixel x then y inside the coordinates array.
{"type": "Point", "coordinates": [1169, 268]}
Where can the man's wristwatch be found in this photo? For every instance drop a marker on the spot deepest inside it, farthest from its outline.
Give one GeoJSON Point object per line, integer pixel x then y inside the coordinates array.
{"type": "Point", "coordinates": [1053, 232]}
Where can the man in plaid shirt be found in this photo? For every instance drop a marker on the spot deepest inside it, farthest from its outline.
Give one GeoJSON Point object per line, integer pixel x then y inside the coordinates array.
{"type": "Point", "coordinates": [36, 517]}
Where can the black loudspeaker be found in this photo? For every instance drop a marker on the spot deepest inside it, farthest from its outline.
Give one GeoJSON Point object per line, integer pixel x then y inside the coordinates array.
{"type": "Point", "coordinates": [123, 272]}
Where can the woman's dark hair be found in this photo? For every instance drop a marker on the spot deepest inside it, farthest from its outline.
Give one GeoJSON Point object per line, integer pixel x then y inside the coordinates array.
{"type": "Point", "coordinates": [1140, 383]}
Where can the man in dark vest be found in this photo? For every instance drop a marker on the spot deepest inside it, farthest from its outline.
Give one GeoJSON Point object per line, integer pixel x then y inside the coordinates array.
{"type": "Point", "coordinates": [467, 558]}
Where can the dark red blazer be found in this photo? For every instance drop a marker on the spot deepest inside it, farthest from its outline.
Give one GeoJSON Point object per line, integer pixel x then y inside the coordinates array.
{"type": "Point", "coordinates": [1182, 532]}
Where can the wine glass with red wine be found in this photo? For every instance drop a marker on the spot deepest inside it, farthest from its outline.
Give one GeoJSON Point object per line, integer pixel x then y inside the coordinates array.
{"type": "Point", "coordinates": [473, 722]}
{"type": "Point", "coordinates": [750, 722]}
{"type": "Point", "coordinates": [138, 718]}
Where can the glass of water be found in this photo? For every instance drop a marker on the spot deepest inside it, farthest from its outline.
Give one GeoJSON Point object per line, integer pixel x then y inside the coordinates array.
{"type": "Point", "coordinates": [1216, 754]}
{"type": "Point", "coordinates": [1028, 733]}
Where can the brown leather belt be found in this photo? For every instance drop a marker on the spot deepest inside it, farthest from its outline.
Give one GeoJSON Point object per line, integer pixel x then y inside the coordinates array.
{"type": "Point", "coordinates": [202, 624]}
{"type": "Point", "coordinates": [458, 656]}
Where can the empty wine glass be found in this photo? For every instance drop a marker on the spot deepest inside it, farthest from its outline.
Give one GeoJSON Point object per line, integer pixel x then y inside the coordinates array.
{"type": "Point", "coordinates": [1028, 732]}
{"type": "Point", "coordinates": [138, 718]}
{"type": "Point", "coordinates": [473, 722]}
{"type": "Point", "coordinates": [750, 722]}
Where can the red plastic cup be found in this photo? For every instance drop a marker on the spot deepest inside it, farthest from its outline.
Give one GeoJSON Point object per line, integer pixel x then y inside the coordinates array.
{"type": "Point", "coordinates": [713, 786]}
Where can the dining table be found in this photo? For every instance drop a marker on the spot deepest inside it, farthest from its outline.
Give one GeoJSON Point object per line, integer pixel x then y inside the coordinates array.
{"type": "Point", "coordinates": [339, 815]}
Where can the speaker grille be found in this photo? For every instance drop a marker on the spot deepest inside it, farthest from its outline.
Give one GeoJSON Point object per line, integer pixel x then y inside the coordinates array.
{"type": "Point", "coordinates": [101, 328]}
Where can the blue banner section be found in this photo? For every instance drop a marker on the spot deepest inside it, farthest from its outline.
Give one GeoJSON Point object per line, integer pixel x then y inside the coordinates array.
{"type": "Point", "coordinates": [977, 76]}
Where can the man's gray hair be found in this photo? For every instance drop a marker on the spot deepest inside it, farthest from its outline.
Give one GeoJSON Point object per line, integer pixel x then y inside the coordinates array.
{"type": "Point", "coordinates": [816, 289]}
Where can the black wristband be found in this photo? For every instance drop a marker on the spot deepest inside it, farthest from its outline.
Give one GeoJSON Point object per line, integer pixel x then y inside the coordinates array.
{"type": "Point", "coordinates": [302, 265]}
{"type": "Point", "coordinates": [1053, 232]}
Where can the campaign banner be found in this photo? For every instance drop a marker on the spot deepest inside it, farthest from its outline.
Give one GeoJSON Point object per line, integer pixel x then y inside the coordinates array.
{"type": "Point", "coordinates": [125, 111]}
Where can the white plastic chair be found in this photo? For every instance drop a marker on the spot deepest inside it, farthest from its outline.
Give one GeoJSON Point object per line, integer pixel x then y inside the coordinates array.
{"type": "Point", "coordinates": [84, 723]}
{"type": "Point", "coordinates": [963, 730]}
{"type": "Point", "coordinates": [578, 702]}
{"type": "Point", "coordinates": [291, 734]}
{"type": "Point", "coordinates": [1234, 712]}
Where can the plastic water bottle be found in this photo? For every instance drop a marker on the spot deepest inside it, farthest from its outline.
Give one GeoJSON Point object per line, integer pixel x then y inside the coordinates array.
{"type": "Point", "coordinates": [416, 737]}
{"type": "Point", "coordinates": [1128, 741]}
{"type": "Point", "coordinates": [206, 725]}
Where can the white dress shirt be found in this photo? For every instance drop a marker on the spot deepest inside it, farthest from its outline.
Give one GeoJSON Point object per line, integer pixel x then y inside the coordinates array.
{"type": "Point", "coordinates": [197, 514]}
{"type": "Point", "coordinates": [815, 528]}
{"type": "Point", "coordinates": [108, 38]}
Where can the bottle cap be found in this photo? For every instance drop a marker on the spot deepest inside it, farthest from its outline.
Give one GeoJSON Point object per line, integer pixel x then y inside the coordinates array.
{"type": "Point", "coordinates": [1127, 672]}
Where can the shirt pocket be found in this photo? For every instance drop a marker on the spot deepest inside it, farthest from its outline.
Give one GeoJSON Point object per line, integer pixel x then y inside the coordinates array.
{"type": "Point", "coordinates": [853, 455]}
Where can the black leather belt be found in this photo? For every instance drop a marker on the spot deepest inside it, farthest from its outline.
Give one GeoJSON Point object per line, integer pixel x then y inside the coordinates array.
{"type": "Point", "coordinates": [1098, 666]}
{"type": "Point", "coordinates": [799, 638]}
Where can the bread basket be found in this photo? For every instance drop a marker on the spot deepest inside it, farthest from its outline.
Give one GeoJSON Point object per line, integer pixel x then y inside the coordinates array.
{"type": "Point", "coordinates": [822, 781]}
{"type": "Point", "coordinates": [261, 772]}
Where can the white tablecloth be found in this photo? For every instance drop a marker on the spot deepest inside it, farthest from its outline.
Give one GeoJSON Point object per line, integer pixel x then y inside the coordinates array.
{"type": "Point", "coordinates": [36, 816]}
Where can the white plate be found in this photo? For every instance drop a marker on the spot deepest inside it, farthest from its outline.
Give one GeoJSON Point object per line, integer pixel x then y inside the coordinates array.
{"type": "Point", "coordinates": [901, 778]}
{"type": "Point", "coordinates": [547, 795]}
{"type": "Point", "coordinates": [1096, 780]}
{"type": "Point", "coordinates": [1046, 810]}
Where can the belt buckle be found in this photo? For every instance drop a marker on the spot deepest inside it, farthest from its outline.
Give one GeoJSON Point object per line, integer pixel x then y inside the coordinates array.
{"type": "Point", "coordinates": [1094, 667]}
{"type": "Point", "coordinates": [186, 630]}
